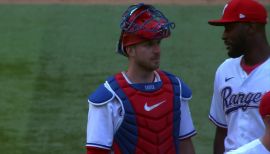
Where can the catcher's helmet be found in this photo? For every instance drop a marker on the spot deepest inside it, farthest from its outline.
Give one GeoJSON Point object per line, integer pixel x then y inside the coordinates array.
{"type": "Point", "coordinates": [141, 23]}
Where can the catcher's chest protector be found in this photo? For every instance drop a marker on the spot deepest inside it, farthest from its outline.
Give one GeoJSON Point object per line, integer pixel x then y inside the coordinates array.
{"type": "Point", "coordinates": [152, 116]}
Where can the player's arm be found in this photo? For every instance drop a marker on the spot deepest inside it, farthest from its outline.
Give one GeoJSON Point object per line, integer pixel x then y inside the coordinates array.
{"type": "Point", "coordinates": [101, 121]}
{"type": "Point", "coordinates": [187, 129]}
{"type": "Point", "coordinates": [186, 146]}
{"type": "Point", "coordinates": [220, 135]}
{"type": "Point", "coordinates": [218, 117]}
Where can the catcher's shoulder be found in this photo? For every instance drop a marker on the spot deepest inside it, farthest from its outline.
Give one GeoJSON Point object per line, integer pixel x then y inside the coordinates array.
{"type": "Point", "coordinates": [100, 96]}
{"type": "Point", "coordinates": [186, 92]}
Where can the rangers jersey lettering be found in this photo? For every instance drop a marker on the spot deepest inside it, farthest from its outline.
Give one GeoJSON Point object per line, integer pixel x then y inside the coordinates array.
{"type": "Point", "coordinates": [235, 101]}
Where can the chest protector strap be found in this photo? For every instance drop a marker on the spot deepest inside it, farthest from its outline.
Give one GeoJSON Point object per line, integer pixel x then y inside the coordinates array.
{"type": "Point", "coordinates": [152, 117]}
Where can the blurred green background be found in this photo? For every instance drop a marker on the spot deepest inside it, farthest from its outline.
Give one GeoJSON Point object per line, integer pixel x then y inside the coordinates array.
{"type": "Point", "coordinates": [53, 56]}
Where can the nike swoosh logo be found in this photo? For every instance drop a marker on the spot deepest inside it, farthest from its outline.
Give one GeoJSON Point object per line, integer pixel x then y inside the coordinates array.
{"type": "Point", "coordinates": [227, 79]}
{"type": "Point", "coordinates": [149, 108]}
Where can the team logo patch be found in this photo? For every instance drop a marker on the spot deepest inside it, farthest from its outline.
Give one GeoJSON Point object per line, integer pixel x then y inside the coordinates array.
{"type": "Point", "coordinates": [241, 16]}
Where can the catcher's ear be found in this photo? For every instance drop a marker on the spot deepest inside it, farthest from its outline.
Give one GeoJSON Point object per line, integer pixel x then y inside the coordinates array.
{"type": "Point", "coordinates": [130, 51]}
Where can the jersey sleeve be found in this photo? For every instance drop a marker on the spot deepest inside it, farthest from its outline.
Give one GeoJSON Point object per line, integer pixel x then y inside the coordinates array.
{"type": "Point", "coordinates": [101, 125]}
{"type": "Point", "coordinates": [186, 124]}
{"type": "Point", "coordinates": [217, 115]}
{"type": "Point", "coordinates": [254, 147]}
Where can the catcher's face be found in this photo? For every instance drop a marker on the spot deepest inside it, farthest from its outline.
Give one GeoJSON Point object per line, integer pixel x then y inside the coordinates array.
{"type": "Point", "coordinates": [146, 55]}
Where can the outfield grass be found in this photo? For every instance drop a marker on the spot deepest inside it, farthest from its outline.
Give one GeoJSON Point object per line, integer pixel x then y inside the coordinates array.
{"type": "Point", "coordinates": [53, 56]}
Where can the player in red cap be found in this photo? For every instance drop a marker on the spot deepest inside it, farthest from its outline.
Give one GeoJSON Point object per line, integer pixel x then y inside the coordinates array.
{"type": "Point", "coordinates": [143, 109]}
{"type": "Point", "coordinates": [262, 144]}
{"type": "Point", "coordinates": [241, 80]}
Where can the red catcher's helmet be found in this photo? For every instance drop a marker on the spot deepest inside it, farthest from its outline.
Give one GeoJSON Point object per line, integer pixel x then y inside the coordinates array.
{"type": "Point", "coordinates": [141, 23]}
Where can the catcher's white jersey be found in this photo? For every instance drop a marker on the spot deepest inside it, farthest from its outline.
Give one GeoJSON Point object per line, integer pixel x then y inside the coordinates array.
{"type": "Point", "coordinates": [104, 120]}
{"type": "Point", "coordinates": [254, 147]}
{"type": "Point", "coordinates": [236, 99]}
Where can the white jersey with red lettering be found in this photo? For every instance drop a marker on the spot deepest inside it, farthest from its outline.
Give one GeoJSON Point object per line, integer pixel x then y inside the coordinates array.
{"type": "Point", "coordinates": [235, 101]}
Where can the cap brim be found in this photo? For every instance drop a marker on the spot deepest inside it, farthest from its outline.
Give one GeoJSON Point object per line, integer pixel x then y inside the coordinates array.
{"type": "Point", "coordinates": [219, 22]}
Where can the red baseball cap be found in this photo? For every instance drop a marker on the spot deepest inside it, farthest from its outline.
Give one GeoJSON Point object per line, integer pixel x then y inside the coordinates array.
{"type": "Point", "coordinates": [242, 11]}
{"type": "Point", "coordinates": [264, 107]}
